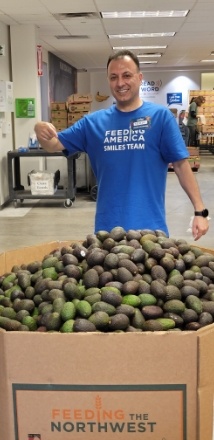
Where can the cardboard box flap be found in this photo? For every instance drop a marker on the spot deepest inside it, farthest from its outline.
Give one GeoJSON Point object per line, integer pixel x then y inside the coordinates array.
{"type": "Point", "coordinates": [206, 353]}
{"type": "Point", "coordinates": [28, 254]}
{"type": "Point", "coordinates": [167, 354]}
{"type": "Point", "coordinates": [6, 430]}
{"type": "Point", "coordinates": [206, 381]}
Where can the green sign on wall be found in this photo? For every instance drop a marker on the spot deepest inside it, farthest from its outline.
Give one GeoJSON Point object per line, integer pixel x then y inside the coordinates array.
{"type": "Point", "coordinates": [25, 107]}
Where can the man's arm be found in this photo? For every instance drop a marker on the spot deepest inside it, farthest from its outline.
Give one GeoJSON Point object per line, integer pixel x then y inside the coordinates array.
{"type": "Point", "coordinates": [189, 184]}
{"type": "Point", "coordinates": [47, 136]}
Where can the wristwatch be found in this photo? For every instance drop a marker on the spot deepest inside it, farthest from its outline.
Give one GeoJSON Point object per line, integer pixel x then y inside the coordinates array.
{"type": "Point", "coordinates": [203, 213]}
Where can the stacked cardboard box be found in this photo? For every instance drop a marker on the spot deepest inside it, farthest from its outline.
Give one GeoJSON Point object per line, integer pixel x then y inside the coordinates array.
{"type": "Point", "coordinates": [59, 115]}
{"type": "Point", "coordinates": [56, 105]}
{"type": "Point", "coordinates": [78, 106]}
{"type": "Point", "coordinates": [207, 108]}
{"type": "Point", "coordinates": [206, 134]}
{"type": "Point", "coordinates": [78, 98]}
{"type": "Point", "coordinates": [64, 114]}
{"type": "Point", "coordinates": [75, 116]}
{"type": "Point", "coordinates": [205, 116]}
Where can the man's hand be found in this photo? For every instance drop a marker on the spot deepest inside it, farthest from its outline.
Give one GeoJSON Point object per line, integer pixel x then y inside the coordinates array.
{"type": "Point", "coordinates": [200, 226]}
{"type": "Point", "coordinates": [47, 136]}
{"type": "Point", "coordinates": [45, 131]}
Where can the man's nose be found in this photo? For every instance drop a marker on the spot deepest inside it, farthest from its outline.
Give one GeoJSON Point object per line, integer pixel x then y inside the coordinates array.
{"type": "Point", "coordinates": [120, 81]}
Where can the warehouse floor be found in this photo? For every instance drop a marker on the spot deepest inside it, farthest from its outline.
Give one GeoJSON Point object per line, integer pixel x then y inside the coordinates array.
{"type": "Point", "coordinates": [39, 221]}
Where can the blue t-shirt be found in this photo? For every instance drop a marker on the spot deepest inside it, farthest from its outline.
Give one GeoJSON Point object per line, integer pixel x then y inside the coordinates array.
{"type": "Point", "coordinates": [129, 154]}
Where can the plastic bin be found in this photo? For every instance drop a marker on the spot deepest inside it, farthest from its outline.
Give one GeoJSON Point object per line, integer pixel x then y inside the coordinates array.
{"type": "Point", "coordinates": [43, 183]}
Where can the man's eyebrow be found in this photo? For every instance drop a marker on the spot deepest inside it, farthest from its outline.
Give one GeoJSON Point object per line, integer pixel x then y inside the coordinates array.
{"type": "Point", "coordinates": [123, 73]}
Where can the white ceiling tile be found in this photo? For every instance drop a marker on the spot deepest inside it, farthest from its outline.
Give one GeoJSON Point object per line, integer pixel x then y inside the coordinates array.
{"type": "Point", "coordinates": [69, 5]}
{"type": "Point", "coordinates": [193, 41]}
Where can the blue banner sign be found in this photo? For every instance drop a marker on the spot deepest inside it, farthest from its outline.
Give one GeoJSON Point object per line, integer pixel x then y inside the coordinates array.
{"type": "Point", "coordinates": [174, 98]}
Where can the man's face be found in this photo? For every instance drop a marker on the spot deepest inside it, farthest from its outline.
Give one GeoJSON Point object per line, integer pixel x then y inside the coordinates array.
{"type": "Point", "coordinates": [124, 81]}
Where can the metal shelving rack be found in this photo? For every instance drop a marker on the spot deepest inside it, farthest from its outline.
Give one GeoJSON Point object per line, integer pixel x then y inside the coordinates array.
{"type": "Point", "coordinates": [17, 190]}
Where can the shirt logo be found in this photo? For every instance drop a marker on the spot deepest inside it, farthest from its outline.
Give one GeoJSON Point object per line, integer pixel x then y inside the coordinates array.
{"type": "Point", "coordinates": [144, 122]}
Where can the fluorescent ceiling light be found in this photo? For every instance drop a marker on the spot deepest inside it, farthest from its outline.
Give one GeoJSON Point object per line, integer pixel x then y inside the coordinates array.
{"type": "Point", "coordinates": [147, 55]}
{"type": "Point", "coordinates": [138, 47]}
{"type": "Point", "coordinates": [148, 62]}
{"type": "Point", "coordinates": [146, 14]}
{"type": "Point", "coordinates": [148, 35]}
{"type": "Point", "coordinates": [207, 61]}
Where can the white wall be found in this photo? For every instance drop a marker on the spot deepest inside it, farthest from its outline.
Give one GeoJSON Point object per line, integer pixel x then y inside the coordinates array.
{"type": "Point", "coordinates": [163, 83]}
{"type": "Point", "coordinates": [99, 84]}
{"type": "Point", "coordinates": [207, 81]}
{"type": "Point", "coordinates": [83, 82]}
{"type": "Point", "coordinates": [6, 140]}
{"type": "Point", "coordinates": [25, 77]}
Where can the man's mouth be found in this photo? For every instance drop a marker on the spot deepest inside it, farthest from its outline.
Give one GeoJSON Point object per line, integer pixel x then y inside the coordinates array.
{"type": "Point", "coordinates": [122, 91]}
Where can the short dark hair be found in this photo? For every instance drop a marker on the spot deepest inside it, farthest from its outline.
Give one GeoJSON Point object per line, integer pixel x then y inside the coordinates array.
{"type": "Point", "coordinates": [121, 54]}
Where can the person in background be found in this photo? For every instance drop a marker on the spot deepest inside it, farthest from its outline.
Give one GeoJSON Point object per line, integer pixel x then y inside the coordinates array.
{"type": "Point", "coordinates": [202, 99]}
{"type": "Point", "coordinates": [130, 145]}
{"type": "Point", "coordinates": [192, 99]}
{"type": "Point", "coordinates": [183, 117]}
{"type": "Point", "coordinates": [183, 127]}
{"type": "Point", "coordinates": [192, 119]}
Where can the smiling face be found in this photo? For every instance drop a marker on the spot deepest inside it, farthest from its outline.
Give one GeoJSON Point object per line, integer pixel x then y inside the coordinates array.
{"type": "Point", "coordinates": [124, 80]}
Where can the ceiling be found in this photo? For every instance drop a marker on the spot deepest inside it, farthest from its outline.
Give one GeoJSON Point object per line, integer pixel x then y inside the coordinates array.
{"type": "Point", "coordinates": [84, 41]}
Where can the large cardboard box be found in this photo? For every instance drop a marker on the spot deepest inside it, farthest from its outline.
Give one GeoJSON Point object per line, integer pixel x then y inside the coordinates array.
{"type": "Point", "coordinates": [79, 98]}
{"type": "Point", "coordinates": [73, 117]}
{"type": "Point", "coordinates": [60, 123]}
{"type": "Point", "coordinates": [56, 105]}
{"type": "Point", "coordinates": [73, 108]}
{"type": "Point", "coordinates": [59, 114]}
{"type": "Point", "coordinates": [101, 386]}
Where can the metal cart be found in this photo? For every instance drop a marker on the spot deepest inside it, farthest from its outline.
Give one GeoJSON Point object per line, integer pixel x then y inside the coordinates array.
{"type": "Point", "coordinates": [17, 190]}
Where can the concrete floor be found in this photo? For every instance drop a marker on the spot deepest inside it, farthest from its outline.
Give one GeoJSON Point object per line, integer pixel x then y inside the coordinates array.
{"type": "Point", "coordinates": [48, 220]}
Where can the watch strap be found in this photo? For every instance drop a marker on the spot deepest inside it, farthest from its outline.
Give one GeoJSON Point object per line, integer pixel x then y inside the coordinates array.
{"type": "Point", "coordinates": [204, 213]}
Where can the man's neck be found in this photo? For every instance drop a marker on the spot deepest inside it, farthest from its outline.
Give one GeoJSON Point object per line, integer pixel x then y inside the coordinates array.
{"type": "Point", "coordinates": [130, 107]}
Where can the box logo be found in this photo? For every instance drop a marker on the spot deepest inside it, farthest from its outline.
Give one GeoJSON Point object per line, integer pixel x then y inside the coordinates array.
{"type": "Point", "coordinates": [121, 412]}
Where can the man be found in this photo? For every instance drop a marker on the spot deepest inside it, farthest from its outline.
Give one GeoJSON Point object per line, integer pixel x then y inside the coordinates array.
{"type": "Point", "coordinates": [130, 146]}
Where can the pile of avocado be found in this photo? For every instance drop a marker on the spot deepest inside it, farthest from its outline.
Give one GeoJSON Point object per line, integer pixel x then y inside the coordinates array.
{"type": "Point", "coordinates": [117, 281]}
